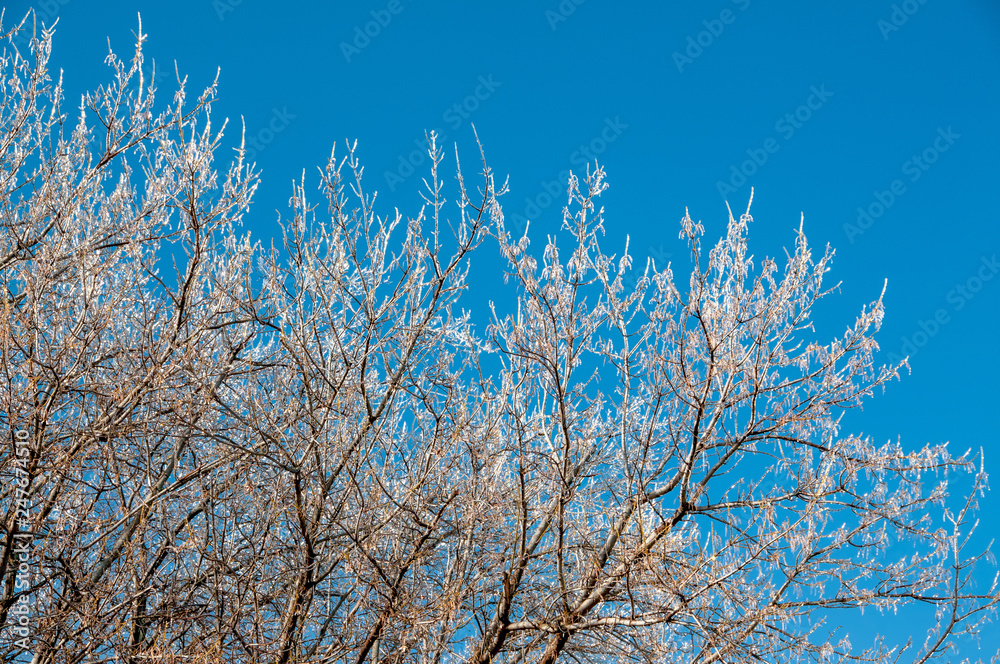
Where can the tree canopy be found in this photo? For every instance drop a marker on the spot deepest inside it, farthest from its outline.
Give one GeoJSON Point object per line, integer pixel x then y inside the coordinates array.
{"type": "Point", "coordinates": [313, 452]}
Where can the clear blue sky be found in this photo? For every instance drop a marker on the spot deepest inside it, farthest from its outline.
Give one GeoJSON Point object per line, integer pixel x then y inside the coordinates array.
{"type": "Point", "coordinates": [888, 108]}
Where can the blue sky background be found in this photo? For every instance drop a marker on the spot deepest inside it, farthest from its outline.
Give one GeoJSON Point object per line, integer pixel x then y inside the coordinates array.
{"type": "Point", "coordinates": [688, 92]}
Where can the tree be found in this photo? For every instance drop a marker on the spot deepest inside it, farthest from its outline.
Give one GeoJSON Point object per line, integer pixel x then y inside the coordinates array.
{"type": "Point", "coordinates": [225, 452]}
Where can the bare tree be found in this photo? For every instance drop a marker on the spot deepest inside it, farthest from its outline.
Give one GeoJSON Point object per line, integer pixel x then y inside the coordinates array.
{"type": "Point", "coordinates": [310, 453]}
